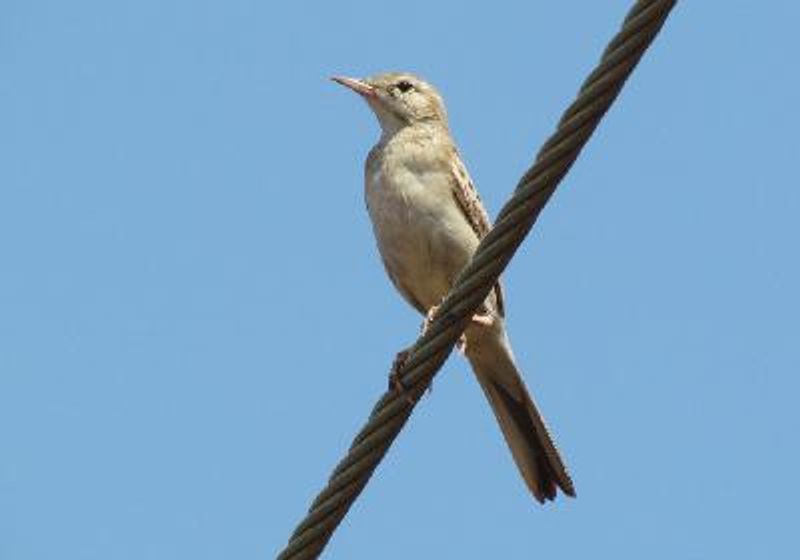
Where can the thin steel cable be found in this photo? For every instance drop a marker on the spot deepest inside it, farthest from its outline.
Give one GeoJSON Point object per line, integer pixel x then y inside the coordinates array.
{"type": "Point", "coordinates": [515, 220]}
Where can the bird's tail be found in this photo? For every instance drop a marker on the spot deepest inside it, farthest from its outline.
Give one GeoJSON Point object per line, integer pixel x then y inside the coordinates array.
{"type": "Point", "coordinates": [523, 427]}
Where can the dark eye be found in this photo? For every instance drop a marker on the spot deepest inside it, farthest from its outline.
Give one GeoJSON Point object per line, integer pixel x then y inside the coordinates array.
{"type": "Point", "coordinates": [404, 86]}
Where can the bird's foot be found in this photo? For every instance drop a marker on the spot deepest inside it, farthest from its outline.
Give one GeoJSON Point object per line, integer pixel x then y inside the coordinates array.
{"type": "Point", "coordinates": [428, 320]}
{"type": "Point", "coordinates": [483, 319]}
{"type": "Point", "coordinates": [462, 344]}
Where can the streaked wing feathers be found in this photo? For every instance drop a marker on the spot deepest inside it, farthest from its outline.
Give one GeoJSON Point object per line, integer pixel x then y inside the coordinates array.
{"type": "Point", "coordinates": [469, 201]}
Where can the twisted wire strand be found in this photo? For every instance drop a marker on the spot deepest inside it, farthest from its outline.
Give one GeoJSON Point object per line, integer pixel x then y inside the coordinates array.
{"type": "Point", "coordinates": [426, 356]}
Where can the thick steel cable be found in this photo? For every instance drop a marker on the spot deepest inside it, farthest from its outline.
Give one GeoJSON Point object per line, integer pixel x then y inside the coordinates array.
{"type": "Point", "coordinates": [515, 220]}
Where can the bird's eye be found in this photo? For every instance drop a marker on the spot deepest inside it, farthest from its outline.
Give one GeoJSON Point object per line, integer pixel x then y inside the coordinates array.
{"type": "Point", "coordinates": [404, 86]}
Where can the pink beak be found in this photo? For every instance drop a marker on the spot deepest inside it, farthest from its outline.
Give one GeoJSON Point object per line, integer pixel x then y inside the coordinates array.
{"type": "Point", "coordinates": [360, 87]}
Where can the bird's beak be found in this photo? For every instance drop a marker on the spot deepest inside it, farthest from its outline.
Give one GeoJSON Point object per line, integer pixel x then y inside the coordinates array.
{"type": "Point", "coordinates": [359, 86]}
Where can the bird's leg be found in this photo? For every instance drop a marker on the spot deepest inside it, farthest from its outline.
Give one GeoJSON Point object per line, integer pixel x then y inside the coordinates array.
{"type": "Point", "coordinates": [394, 376]}
{"type": "Point", "coordinates": [400, 359]}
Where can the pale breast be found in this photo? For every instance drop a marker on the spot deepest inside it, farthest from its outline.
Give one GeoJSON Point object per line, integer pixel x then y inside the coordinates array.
{"type": "Point", "coordinates": [422, 235]}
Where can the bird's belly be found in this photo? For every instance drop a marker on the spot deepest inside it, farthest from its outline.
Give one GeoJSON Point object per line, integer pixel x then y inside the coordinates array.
{"type": "Point", "coordinates": [423, 239]}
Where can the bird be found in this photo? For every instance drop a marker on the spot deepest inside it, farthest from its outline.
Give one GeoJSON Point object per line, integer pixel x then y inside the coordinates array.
{"type": "Point", "coordinates": [428, 219]}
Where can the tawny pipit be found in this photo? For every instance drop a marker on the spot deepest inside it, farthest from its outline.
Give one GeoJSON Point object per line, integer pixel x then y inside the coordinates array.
{"type": "Point", "coordinates": [428, 219]}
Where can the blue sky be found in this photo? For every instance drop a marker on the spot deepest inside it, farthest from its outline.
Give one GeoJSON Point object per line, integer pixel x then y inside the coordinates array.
{"type": "Point", "coordinates": [194, 321]}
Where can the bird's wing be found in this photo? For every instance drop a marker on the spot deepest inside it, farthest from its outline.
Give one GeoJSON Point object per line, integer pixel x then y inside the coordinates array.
{"type": "Point", "coordinates": [469, 201]}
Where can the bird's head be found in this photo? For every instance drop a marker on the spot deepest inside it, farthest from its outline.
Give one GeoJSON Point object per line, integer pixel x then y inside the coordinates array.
{"type": "Point", "coordinates": [399, 99]}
